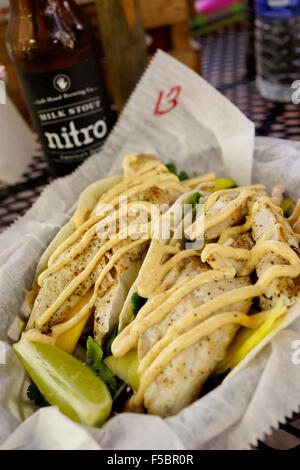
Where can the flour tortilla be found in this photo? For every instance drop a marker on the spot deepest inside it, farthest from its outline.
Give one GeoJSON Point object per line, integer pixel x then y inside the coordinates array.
{"type": "Point", "coordinates": [86, 202]}
{"type": "Point", "coordinates": [126, 315]}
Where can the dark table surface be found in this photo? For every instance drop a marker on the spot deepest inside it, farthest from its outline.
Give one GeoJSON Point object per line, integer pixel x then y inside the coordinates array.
{"type": "Point", "coordinates": [223, 63]}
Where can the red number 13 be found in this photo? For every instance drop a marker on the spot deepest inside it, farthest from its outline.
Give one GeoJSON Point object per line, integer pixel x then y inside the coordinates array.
{"type": "Point", "coordinates": [167, 103]}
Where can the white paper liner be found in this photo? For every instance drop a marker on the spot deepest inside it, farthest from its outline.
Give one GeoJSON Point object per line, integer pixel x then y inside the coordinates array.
{"type": "Point", "coordinates": [203, 133]}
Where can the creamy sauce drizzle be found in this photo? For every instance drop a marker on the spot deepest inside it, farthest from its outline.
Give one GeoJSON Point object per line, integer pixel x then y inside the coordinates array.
{"type": "Point", "coordinates": [151, 174]}
{"type": "Point", "coordinates": [200, 321]}
{"type": "Point", "coordinates": [86, 239]}
{"type": "Point", "coordinates": [187, 339]}
{"type": "Point", "coordinates": [203, 320]}
{"type": "Point", "coordinates": [244, 193]}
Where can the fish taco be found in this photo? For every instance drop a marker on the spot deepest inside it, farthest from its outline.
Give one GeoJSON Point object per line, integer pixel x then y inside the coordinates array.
{"type": "Point", "coordinates": [144, 315]}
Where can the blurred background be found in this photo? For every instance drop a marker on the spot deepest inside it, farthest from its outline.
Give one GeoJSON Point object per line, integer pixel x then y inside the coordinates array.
{"type": "Point", "coordinates": [244, 49]}
{"type": "Point", "coordinates": [213, 37]}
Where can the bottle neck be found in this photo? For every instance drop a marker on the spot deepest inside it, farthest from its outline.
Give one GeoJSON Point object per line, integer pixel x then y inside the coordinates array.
{"type": "Point", "coordinates": [30, 6]}
{"type": "Point", "coordinates": [47, 34]}
{"type": "Point", "coordinates": [17, 6]}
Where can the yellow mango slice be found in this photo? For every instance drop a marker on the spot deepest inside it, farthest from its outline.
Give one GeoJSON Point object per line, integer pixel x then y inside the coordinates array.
{"type": "Point", "coordinates": [125, 367]}
{"type": "Point", "coordinates": [246, 339]}
{"type": "Point", "coordinates": [68, 340]}
{"type": "Point", "coordinates": [221, 183]}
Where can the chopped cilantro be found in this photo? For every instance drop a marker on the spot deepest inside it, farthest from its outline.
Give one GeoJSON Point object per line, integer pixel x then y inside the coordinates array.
{"type": "Point", "coordinates": [183, 176]}
{"type": "Point", "coordinates": [35, 395]}
{"type": "Point", "coordinates": [137, 303]}
{"type": "Point", "coordinates": [172, 168]}
{"type": "Point", "coordinates": [195, 201]}
{"type": "Point", "coordinates": [95, 354]}
{"type": "Point", "coordinates": [119, 392]}
{"type": "Point", "coordinates": [107, 346]}
{"type": "Point", "coordinates": [107, 376]}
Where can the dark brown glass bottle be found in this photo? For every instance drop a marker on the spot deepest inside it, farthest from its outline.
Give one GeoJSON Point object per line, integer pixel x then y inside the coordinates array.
{"type": "Point", "coordinates": [51, 45]}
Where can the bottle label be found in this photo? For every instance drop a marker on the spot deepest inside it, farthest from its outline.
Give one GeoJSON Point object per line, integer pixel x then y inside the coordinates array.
{"type": "Point", "coordinates": [279, 3]}
{"type": "Point", "coordinates": [69, 110]}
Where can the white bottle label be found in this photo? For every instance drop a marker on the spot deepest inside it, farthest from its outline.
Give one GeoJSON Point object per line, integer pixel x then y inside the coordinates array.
{"type": "Point", "coordinates": [69, 111]}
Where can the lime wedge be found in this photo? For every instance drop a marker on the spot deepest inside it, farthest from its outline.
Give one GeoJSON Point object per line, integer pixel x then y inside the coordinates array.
{"type": "Point", "coordinates": [66, 382]}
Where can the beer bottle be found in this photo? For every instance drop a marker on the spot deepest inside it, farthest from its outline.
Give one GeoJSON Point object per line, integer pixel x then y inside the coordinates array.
{"type": "Point", "coordinates": [51, 45]}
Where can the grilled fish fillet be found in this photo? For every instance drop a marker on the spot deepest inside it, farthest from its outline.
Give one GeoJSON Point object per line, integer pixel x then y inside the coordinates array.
{"type": "Point", "coordinates": [117, 281]}
{"type": "Point", "coordinates": [269, 221]}
{"type": "Point", "coordinates": [173, 366]}
{"type": "Point", "coordinates": [184, 376]}
{"type": "Point", "coordinates": [228, 208]}
{"type": "Point", "coordinates": [215, 259]}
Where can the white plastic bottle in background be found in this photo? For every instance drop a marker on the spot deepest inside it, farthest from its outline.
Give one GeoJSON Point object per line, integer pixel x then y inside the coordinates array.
{"type": "Point", "coordinates": [16, 141]}
{"type": "Point", "coordinates": [277, 45]}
